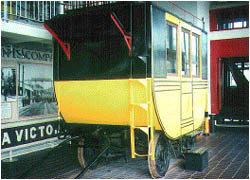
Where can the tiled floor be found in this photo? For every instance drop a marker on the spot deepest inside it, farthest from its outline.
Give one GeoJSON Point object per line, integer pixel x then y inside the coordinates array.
{"type": "Point", "coordinates": [228, 153]}
{"type": "Point", "coordinates": [228, 157]}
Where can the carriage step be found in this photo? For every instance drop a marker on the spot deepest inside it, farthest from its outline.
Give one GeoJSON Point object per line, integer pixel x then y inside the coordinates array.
{"type": "Point", "coordinates": [196, 160]}
{"type": "Point", "coordinates": [141, 155]}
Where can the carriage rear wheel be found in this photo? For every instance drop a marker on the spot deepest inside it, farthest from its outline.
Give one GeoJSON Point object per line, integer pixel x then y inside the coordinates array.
{"type": "Point", "coordinates": [158, 167]}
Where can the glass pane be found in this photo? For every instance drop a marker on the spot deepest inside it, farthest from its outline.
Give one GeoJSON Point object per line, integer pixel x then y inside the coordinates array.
{"type": "Point", "coordinates": [204, 55]}
{"type": "Point", "coordinates": [195, 55]}
{"type": "Point", "coordinates": [232, 81]}
{"type": "Point", "coordinates": [246, 73]}
{"type": "Point", "coordinates": [238, 24]}
{"type": "Point", "coordinates": [185, 53]}
{"type": "Point", "coordinates": [159, 43]}
{"type": "Point", "coordinates": [246, 70]}
{"type": "Point", "coordinates": [171, 48]}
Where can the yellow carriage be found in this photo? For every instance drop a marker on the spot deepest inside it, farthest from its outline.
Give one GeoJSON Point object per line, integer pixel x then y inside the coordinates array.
{"type": "Point", "coordinates": [128, 68]}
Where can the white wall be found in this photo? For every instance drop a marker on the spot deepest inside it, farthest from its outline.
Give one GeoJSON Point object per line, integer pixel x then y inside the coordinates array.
{"type": "Point", "coordinates": [229, 34]}
{"type": "Point", "coordinates": [203, 12]}
{"type": "Point", "coordinates": [197, 8]}
{"type": "Point", "coordinates": [25, 32]}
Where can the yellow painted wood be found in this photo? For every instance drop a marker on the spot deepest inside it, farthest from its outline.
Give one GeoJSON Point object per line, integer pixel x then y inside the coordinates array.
{"type": "Point", "coordinates": [100, 102]}
{"type": "Point", "coordinates": [187, 129]}
{"type": "Point", "coordinates": [200, 104]}
{"type": "Point", "coordinates": [172, 19]}
{"type": "Point", "coordinates": [186, 87]}
{"type": "Point", "coordinates": [180, 100]}
{"type": "Point", "coordinates": [168, 108]}
{"type": "Point", "coordinates": [187, 106]}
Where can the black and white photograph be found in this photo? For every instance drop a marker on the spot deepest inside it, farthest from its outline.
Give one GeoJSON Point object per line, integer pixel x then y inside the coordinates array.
{"type": "Point", "coordinates": [36, 93]}
{"type": "Point", "coordinates": [8, 84]}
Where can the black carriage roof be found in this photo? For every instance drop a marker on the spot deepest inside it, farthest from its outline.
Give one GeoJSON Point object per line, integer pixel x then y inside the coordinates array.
{"type": "Point", "coordinates": [72, 22]}
{"type": "Point", "coordinates": [79, 20]}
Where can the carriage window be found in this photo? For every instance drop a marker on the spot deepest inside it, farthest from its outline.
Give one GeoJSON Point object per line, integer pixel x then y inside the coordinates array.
{"type": "Point", "coordinates": [171, 42]}
{"type": "Point", "coordinates": [204, 55]}
{"type": "Point", "coordinates": [185, 52]}
{"type": "Point", "coordinates": [195, 55]}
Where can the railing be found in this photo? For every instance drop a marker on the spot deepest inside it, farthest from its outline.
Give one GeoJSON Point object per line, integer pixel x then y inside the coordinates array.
{"type": "Point", "coordinates": [179, 11]}
{"type": "Point", "coordinates": [69, 5]}
{"type": "Point", "coordinates": [37, 11]}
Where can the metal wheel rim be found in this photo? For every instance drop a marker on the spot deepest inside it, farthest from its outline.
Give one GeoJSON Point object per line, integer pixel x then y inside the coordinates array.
{"type": "Point", "coordinates": [158, 167]}
{"type": "Point", "coordinates": [80, 155]}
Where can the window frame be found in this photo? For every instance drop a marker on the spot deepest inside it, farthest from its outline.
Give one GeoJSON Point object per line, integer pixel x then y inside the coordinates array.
{"type": "Point", "coordinates": [185, 30]}
{"type": "Point", "coordinates": [198, 63]}
{"type": "Point", "coordinates": [177, 56]}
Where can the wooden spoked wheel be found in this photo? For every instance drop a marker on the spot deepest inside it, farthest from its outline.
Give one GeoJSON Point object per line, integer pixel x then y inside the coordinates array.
{"type": "Point", "coordinates": [80, 155]}
{"type": "Point", "coordinates": [86, 155]}
{"type": "Point", "coordinates": [158, 167]}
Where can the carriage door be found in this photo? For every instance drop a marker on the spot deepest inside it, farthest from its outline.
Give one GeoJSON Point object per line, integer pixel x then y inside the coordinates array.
{"type": "Point", "coordinates": [187, 121]}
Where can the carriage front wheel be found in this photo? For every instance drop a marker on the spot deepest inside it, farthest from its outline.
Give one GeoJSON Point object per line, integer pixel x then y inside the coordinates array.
{"type": "Point", "coordinates": [86, 155]}
{"type": "Point", "coordinates": [158, 167]}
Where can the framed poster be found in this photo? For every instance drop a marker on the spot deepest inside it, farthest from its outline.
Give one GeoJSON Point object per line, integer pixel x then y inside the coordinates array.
{"type": "Point", "coordinates": [35, 89]}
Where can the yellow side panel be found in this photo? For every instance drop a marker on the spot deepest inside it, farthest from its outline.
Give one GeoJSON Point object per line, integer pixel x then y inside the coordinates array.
{"type": "Point", "coordinates": [103, 102]}
{"type": "Point", "coordinates": [186, 87]}
{"type": "Point", "coordinates": [187, 106]}
{"type": "Point", "coordinates": [168, 107]}
{"type": "Point", "coordinates": [200, 104]}
{"type": "Point", "coordinates": [94, 102]}
{"type": "Point", "coordinates": [187, 129]}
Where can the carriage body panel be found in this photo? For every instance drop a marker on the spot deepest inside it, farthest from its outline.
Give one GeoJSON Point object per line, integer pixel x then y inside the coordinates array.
{"type": "Point", "coordinates": [104, 102]}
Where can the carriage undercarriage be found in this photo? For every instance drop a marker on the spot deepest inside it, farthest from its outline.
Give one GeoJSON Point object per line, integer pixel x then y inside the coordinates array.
{"type": "Point", "coordinates": [105, 143]}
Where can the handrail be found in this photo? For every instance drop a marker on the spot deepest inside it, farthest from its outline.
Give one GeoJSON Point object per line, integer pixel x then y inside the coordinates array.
{"type": "Point", "coordinates": [185, 11]}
